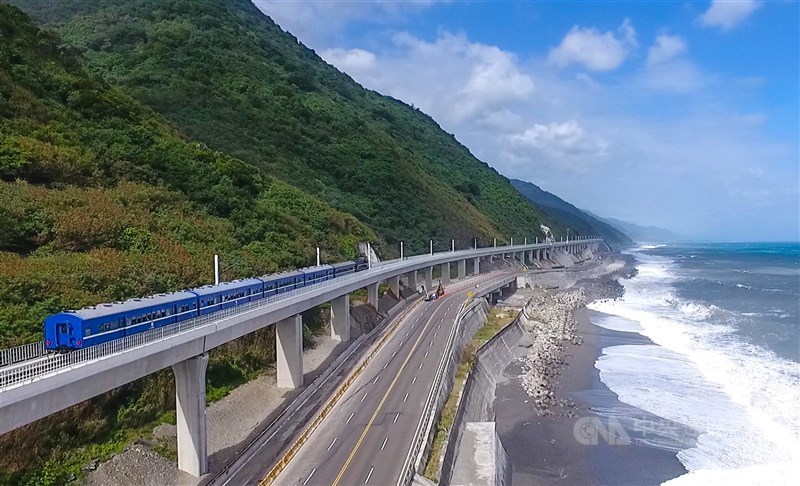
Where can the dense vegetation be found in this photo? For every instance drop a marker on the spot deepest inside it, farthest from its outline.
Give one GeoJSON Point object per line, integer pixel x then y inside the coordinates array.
{"type": "Point", "coordinates": [225, 74]}
{"type": "Point", "coordinates": [579, 222]}
{"type": "Point", "coordinates": [101, 200]}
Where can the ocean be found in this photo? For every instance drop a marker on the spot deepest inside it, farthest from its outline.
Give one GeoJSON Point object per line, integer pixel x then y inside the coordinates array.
{"type": "Point", "coordinates": [724, 369]}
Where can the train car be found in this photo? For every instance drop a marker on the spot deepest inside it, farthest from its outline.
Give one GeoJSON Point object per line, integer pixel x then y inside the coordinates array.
{"type": "Point", "coordinates": [282, 282]}
{"type": "Point", "coordinates": [344, 268]}
{"type": "Point", "coordinates": [96, 325]}
{"type": "Point", "coordinates": [213, 298]}
{"type": "Point", "coordinates": [361, 263]}
{"type": "Point", "coordinates": [315, 275]}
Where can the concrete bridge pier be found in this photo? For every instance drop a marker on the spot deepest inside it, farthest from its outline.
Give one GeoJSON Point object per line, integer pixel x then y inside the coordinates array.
{"type": "Point", "coordinates": [412, 280]}
{"type": "Point", "coordinates": [394, 285]}
{"type": "Point", "coordinates": [476, 266]}
{"type": "Point", "coordinates": [289, 344]}
{"type": "Point", "coordinates": [340, 318]}
{"type": "Point", "coordinates": [190, 405]}
{"type": "Point", "coordinates": [462, 269]}
{"type": "Point", "coordinates": [428, 279]}
{"type": "Point", "coordinates": [446, 273]}
{"type": "Point", "coordinates": [372, 295]}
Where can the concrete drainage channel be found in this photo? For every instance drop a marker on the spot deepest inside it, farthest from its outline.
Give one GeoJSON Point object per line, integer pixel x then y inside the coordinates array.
{"type": "Point", "coordinates": [296, 406]}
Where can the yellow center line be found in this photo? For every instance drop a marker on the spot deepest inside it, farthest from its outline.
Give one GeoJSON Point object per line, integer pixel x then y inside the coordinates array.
{"type": "Point", "coordinates": [380, 405]}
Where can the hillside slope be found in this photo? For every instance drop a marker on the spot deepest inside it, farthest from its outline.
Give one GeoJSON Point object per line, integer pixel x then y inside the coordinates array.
{"type": "Point", "coordinates": [101, 200]}
{"type": "Point", "coordinates": [224, 73]}
{"type": "Point", "coordinates": [647, 234]}
{"type": "Point", "coordinates": [576, 220]}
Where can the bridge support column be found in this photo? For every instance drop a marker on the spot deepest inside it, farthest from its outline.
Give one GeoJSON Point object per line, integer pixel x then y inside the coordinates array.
{"type": "Point", "coordinates": [446, 273]}
{"type": "Point", "coordinates": [428, 279]}
{"type": "Point", "coordinates": [289, 344]}
{"type": "Point", "coordinates": [190, 405]}
{"type": "Point", "coordinates": [476, 266]}
{"type": "Point", "coordinates": [372, 295]}
{"type": "Point", "coordinates": [412, 280]}
{"type": "Point", "coordinates": [462, 269]}
{"type": "Point", "coordinates": [340, 318]}
{"type": "Point", "coordinates": [394, 285]}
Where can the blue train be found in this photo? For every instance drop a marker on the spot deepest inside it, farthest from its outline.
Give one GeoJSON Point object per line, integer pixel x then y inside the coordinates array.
{"type": "Point", "coordinates": [105, 322]}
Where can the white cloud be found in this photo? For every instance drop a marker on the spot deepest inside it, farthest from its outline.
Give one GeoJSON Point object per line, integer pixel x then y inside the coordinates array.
{"type": "Point", "coordinates": [665, 48]}
{"type": "Point", "coordinates": [317, 23]}
{"type": "Point", "coordinates": [597, 51]}
{"type": "Point", "coordinates": [349, 59]}
{"type": "Point", "coordinates": [451, 78]}
{"type": "Point", "coordinates": [727, 14]}
{"type": "Point", "coordinates": [566, 143]}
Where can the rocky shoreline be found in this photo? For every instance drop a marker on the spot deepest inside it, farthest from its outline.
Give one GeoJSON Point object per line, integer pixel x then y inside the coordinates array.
{"type": "Point", "coordinates": [550, 325]}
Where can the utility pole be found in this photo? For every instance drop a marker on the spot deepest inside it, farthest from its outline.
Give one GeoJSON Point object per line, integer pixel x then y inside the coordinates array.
{"type": "Point", "coordinates": [216, 269]}
{"type": "Point", "coordinates": [369, 256]}
{"type": "Point", "coordinates": [452, 245]}
{"type": "Point", "coordinates": [431, 247]}
{"type": "Point", "coordinates": [317, 256]}
{"type": "Point", "coordinates": [401, 251]}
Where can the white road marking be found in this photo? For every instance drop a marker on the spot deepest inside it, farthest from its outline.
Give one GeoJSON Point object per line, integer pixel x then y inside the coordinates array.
{"type": "Point", "coordinates": [420, 366]}
{"type": "Point", "coordinates": [395, 418]}
{"type": "Point", "coordinates": [414, 380]}
{"type": "Point", "coordinates": [384, 443]}
{"type": "Point", "coordinates": [387, 364]}
{"type": "Point", "coordinates": [434, 334]}
{"type": "Point", "coordinates": [364, 397]}
{"type": "Point", "coordinates": [441, 320]}
{"type": "Point", "coordinates": [369, 475]}
{"type": "Point", "coordinates": [350, 418]}
{"type": "Point", "coordinates": [393, 354]}
{"type": "Point", "coordinates": [376, 379]}
{"type": "Point", "coordinates": [405, 397]}
{"type": "Point", "coordinates": [430, 344]}
{"type": "Point", "coordinates": [426, 354]}
{"type": "Point", "coordinates": [407, 333]}
{"type": "Point", "coordinates": [334, 441]}
{"type": "Point", "coordinates": [309, 476]}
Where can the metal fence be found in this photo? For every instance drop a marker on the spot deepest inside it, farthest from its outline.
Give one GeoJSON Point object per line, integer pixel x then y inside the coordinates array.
{"type": "Point", "coordinates": [29, 362]}
{"type": "Point", "coordinates": [21, 353]}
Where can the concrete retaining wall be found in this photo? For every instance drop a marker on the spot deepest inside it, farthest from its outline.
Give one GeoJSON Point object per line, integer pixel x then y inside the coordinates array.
{"type": "Point", "coordinates": [476, 404]}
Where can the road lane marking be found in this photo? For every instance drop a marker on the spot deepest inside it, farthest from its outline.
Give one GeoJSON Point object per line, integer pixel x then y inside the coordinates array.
{"type": "Point", "coordinates": [414, 380]}
{"type": "Point", "coordinates": [334, 441]}
{"type": "Point", "coordinates": [408, 333]}
{"type": "Point", "coordinates": [395, 418]}
{"type": "Point", "coordinates": [309, 476]}
{"type": "Point", "coordinates": [387, 364]}
{"type": "Point", "coordinates": [426, 354]}
{"type": "Point", "coordinates": [430, 344]}
{"type": "Point", "coordinates": [394, 353]}
{"type": "Point", "coordinates": [369, 475]}
{"type": "Point", "coordinates": [350, 418]}
{"type": "Point", "coordinates": [376, 379]}
{"type": "Point", "coordinates": [434, 334]}
{"type": "Point", "coordinates": [405, 397]}
{"type": "Point", "coordinates": [380, 406]}
{"type": "Point", "coordinates": [420, 366]}
{"type": "Point", "coordinates": [384, 442]}
{"type": "Point", "coordinates": [364, 397]}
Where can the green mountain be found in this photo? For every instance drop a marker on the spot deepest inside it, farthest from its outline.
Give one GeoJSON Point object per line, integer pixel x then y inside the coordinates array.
{"type": "Point", "coordinates": [576, 220]}
{"type": "Point", "coordinates": [227, 75]}
{"type": "Point", "coordinates": [101, 199]}
{"type": "Point", "coordinates": [647, 234]}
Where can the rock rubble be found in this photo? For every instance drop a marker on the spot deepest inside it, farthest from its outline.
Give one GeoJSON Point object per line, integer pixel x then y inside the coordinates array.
{"type": "Point", "coordinates": [549, 322]}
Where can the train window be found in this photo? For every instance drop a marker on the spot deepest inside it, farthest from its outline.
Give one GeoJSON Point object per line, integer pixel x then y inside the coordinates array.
{"type": "Point", "coordinates": [87, 331]}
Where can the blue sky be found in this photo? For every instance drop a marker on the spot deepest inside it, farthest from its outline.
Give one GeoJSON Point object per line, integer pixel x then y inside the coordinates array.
{"type": "Point", "coordinates": [682, 115]}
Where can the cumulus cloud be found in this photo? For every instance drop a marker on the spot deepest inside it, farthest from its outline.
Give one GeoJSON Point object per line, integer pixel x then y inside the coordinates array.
{"type": "Point", "coordinates": [349, 59]}
{"type": "Point", "coordinates": [727, 14]}
{"type": "Point", "coordinates": [451, 78]}
{"type": "Point", "coordinates": [568, 141]}
{"type": "Point", "coordinates": [665, 48]}
{"type": "Point", "coordinates": [597, 51]}
{"type": "Point", "coordinates": [318, 23]}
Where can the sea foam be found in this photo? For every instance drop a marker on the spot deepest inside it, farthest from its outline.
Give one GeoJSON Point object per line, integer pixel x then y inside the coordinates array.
{"type": "Point", "coordinates": [741, 399]}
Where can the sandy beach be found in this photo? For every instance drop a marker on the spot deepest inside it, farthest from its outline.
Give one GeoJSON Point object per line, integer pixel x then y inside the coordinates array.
{"type": "Point", "coordinates": [589, 437]}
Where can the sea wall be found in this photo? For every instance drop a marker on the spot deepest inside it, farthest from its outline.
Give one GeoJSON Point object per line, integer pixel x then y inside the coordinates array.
{"type": "Point", "coordinates": [476, 406]}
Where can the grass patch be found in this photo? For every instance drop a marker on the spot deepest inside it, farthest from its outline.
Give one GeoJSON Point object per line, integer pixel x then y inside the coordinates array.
{"type": "Point", "coordinates": [496, 320]}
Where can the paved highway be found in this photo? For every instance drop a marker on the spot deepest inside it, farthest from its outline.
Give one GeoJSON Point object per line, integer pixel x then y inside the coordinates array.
{"type": "Point", "coordinates": [366, 437]}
